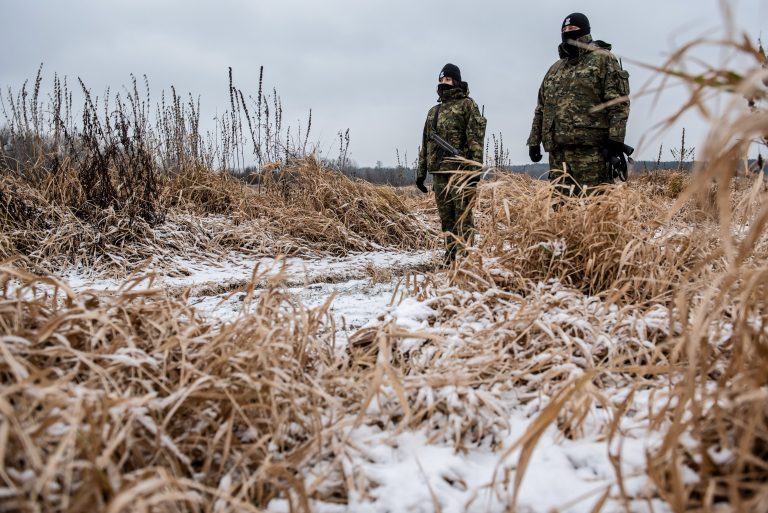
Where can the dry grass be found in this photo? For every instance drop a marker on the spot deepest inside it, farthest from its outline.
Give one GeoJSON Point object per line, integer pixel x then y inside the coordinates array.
{"type": "Point", "coordinates": [619, 242]}
{"type": "Point", "coordinates": [614, 292]}
{"type": "Point", "coordinates": [120, 186]}
{"type": "Point", "coordinates": [132, 402]}
{"type": "Point", "coordinates": [308, 210]}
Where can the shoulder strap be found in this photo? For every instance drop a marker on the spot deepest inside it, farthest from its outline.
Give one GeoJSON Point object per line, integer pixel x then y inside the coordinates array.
{"type": "Point", "coordinates": [434, 119]}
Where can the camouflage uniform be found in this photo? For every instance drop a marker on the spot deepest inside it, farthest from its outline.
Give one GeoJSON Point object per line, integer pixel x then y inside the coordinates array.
{"type": "Point", "coordinates": [461, 124]}
{"type": "Point", "coordinates": [565, 121]}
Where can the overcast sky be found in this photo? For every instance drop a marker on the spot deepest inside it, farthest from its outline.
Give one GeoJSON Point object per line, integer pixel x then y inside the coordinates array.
{"type": "Point", "coordinates": [367, 65]}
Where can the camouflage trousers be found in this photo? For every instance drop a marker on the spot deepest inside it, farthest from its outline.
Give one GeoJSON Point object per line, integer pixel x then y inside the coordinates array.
{"type": "Point", "coordinates": [586, 167]}
{"type": "Point", "coordinates": [455, 208]}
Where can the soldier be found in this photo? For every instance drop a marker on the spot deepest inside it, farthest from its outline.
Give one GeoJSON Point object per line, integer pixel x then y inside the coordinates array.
{"type": "Point", "coordinates": [456, 119]}
{"type": "Point", "coordinates": [582, 110]}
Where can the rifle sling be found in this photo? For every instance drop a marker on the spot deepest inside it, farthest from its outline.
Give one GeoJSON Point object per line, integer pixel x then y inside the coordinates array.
{"type": "Point", "coordinates": [440, 150]}
{"type": "Point", "coordinates": [434, 119]}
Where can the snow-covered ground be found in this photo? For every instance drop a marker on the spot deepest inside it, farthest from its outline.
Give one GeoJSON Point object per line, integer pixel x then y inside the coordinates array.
{"type": "Point", "coordinates": [363, 284]}
{"type": "Point", "coordinates": [411, 473]}
{"type": "Point", "coordinates": [236, 270]}
{"type": "Point", "coordinates": [355, 302]}
{"type": "Point", "coordinates": [406, 470]}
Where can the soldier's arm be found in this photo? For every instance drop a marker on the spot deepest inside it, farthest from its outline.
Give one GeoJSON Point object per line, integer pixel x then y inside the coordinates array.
{"type": "Point", "coordinates": [422, 170]}
{"type": "Point", "coordinates": [534, 139]}
{"type": "Point", "coordinates": [476, 124]}
{"type": "Point", "coordinates": [616, 94]}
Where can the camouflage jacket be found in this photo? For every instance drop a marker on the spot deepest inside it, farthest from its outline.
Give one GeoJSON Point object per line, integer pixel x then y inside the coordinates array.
{"type": "Point", "coordinates": [460, 123]}
{"type": "Point", "coordinates": [572, 90]}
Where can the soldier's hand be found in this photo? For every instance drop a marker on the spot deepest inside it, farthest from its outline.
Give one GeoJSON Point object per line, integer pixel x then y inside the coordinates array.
{"type": "Point", "coordinates": [420, 184]}
{"type": "Point", "coordinates": [535, 153]}
{"type": "Point", "coordinates": [614, 148]}
{"type": "Point", "coordinates": [617, 162]}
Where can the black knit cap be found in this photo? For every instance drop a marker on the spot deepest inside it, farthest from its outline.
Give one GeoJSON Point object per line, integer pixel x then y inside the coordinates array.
{"type": "Point", "coordinates": [578, 20]}
{"type": "Point", "coordinates": [451, 71]}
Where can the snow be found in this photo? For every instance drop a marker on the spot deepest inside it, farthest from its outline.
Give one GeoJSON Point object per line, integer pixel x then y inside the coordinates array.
{"type": "Point", "coordinates": [411, 474]}
{"type": "Point", "coordinates": [421, 470]}
{"type": "Point", "coordinates": [351, 279]}
{"type": "Point", "coordinates": [237, 270]}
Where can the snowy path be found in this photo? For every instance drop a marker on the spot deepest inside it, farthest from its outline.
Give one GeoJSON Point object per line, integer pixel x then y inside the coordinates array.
{"type": "Point", "coordinates": [363, 284]}
{"type": "Point", "coordinates": [237, 269]}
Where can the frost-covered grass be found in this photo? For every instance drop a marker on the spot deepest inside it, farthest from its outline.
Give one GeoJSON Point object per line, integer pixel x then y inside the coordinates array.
{"type": "Point", "coordinates": [458, 449]}
{"type": "Point", "coordinates": [549, 370]}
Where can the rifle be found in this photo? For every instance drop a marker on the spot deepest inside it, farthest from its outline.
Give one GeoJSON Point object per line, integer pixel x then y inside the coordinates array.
{"type": "Point", "coordinates": [443, 144]}
{"type": "Point", "coordinates": [437, 139]}
{"type": "Point", "coordinates": [617, 164]}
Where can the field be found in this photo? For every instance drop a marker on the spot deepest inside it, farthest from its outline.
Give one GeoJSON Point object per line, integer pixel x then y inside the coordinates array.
{"type": "Point", "coordinates": [174, 339]}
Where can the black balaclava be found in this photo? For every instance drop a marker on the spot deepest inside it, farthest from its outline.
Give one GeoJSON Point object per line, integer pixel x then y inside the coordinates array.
{"type": "Point", "coordinates": [577, 20]}
{"type": "Point", "coordinates": [450, 71]}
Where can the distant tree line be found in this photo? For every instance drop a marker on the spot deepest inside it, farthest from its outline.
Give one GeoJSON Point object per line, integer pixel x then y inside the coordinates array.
{"type": "Point", "coordinates": [395, 176]}
{"type": "Point", "coordinates": [405, 176]}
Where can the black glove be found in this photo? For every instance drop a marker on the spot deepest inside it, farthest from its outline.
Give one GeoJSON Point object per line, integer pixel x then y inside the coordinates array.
{"type": "Point", "coordinates": [614, 148]}
{"type": "Point", "coordinates": [420, 184]}
{"type": "Point", "coordinates": [535, 153]}
{"type": "Point", "coordinates": [617, 162]}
